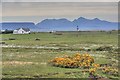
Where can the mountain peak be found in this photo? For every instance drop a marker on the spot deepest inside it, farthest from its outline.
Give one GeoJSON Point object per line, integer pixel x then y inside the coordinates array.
{"type": "Point", "coordinates": [82, 18]}
{"type": "Point", "coordinates": [96, 19]}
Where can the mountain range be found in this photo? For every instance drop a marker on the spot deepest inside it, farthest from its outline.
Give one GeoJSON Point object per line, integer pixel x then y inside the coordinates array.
{"type": "Point", "coordinates": [63, 24]}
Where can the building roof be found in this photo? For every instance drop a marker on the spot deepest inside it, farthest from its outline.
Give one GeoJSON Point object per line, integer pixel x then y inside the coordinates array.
{"type": "Point", "coordinates": [25, 29]}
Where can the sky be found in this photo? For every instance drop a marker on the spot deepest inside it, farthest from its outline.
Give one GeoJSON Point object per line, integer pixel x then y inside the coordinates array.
{"type": "Point", "coordinates": [38, 11]}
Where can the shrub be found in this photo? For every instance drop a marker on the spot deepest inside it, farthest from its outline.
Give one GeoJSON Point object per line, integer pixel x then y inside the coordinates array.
{"type": "Point", "coordinates": [37, 39]}
{"type": "Point", "coordinates": [104, 48]}
{"type": "Point", "coordinates": [75, 61]}
{"type": "Point", "coordinates": [110, 70]}
{"type": "Point", "coordinates": [12, 38]}
{"type": "Point", "coordinates": [2, 42]}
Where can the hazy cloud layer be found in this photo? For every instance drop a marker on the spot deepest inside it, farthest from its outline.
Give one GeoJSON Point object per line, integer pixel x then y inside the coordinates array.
{"type": "Point", "coordinates": [37, 11]}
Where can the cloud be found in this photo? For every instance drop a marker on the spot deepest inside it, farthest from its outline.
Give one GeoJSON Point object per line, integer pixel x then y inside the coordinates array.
{"type": "Point", "coordinates": [103, 10]}
{"type": "Point", "coordinates": [39, 9]}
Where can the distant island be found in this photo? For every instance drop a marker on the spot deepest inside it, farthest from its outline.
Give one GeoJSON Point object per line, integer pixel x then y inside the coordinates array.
{"type": "Point", "coordinates": [63, 24]}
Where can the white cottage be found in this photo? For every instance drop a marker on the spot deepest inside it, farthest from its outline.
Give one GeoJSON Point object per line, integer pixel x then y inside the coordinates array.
{"type": "Point", "coordinates": [21, 31]}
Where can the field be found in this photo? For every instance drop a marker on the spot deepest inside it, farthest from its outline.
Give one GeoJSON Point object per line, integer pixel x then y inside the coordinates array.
{"type": "Point", "coordinates": [28, 55]}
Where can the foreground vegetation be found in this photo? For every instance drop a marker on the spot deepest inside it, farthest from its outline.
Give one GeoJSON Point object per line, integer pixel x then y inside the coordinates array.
{"type": "Point", "coordinates": [29, 62]}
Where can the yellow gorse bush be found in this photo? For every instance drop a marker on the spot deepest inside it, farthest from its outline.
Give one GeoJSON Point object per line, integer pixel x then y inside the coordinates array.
{"type": "Point", "coordinates": [96, 65]}
{"type": "Point", "coordinates": [92, 70]}
{"type": "Point", "coordinates": [85, 61]}
{"type": "Point", "coordinates": [77, 60]}
{"type": "Point", "coordinates": [110, 70]}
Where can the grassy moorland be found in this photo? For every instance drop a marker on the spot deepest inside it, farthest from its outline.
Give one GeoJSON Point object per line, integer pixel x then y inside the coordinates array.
{"type": "Point", "coordinates": [29, 62]}
{"type": "Point", "coordinates": [62, 38]}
